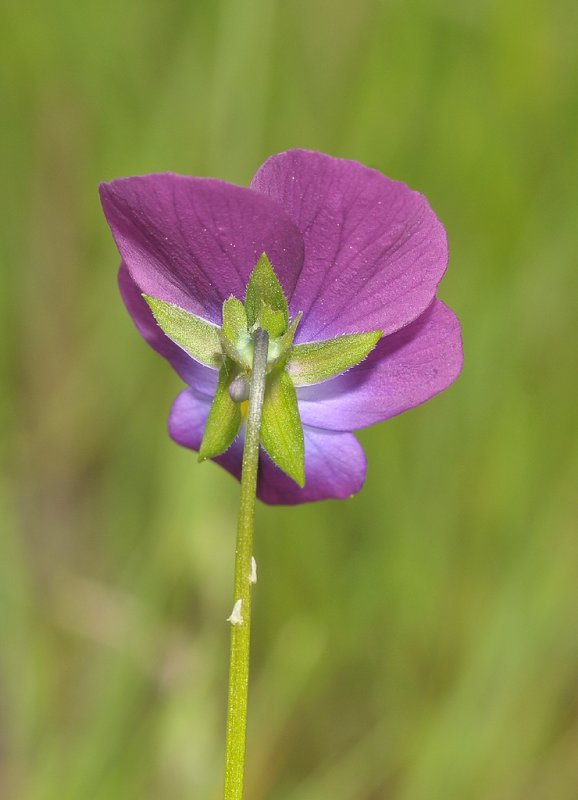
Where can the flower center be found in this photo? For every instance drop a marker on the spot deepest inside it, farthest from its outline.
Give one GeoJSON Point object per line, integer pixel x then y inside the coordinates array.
{"type": "Point", "coordinates": [265, 308]}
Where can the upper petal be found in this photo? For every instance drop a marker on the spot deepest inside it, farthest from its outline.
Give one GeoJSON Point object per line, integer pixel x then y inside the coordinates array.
{"type": "Point", "coordinates": [194, 241]}
{"type": "Point", "coordinates": [193, 373]}
{"type": "Point", "coordinates": [405, 369]}
{"type": "Point", "coordinates": [374, 249]}
{"type": "Point", "coordinates": [335, 463]}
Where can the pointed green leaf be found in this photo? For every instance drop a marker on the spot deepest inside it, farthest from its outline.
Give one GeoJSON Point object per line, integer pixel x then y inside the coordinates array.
{"type": "Point", "coordinates": [318, 361]}
{"type": "Point", "coordinates": [196, 336]}
{"type": "Point", "coordinates": [281, 431]}
{"type": "Point", "coordinates": [264, 289]}
{"type": "Point", "coordinates": [224, 419]}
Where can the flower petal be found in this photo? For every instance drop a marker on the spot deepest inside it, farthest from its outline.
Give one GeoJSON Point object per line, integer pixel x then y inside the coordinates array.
{"type": "Point", "coordinates": [335, 467]}
{"type": "Point", "coordinates": [335, 463]}
{"type": "Point", "coordinates": [405, 369]}
{"type": "Point", "coordinates": [193, 373]}
{"type": "Point", "coordinates": [374, 249]}
{"type": "Point", "coordinates": [194, 241]}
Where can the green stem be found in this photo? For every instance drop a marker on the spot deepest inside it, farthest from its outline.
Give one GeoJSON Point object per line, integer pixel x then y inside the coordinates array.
{"type": "Point", "coordinates": [241, 630]}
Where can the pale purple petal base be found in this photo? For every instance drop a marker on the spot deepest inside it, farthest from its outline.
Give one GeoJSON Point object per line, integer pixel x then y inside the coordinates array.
{"type": "Point", "coordinates": [335, 467]}
{"type": "Point", "coordinates": [335, 463]}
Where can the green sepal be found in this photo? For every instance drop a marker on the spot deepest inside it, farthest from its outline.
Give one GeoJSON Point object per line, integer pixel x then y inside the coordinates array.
{"type": "Point", "coordinates": [289, 335]}
{"type": "Point", "coordinates": [273, 322]}
{"type": "Point", "coordinates": [317, 361]}
{"type": "Point", "coordinates": [280, 349]}
{"type": "Point", "coordinates": [224, 418]}
{"type": "Point", "coordinates": [234, 319]}
{"type": "Point", "coordinates": [234, 338]}
{"type": "Point", "coordinates": [281, 430]}
{"type": "Point", "coordinates": [242, 357]}
{"type": "Point", "coordinates": [196, 336]}
{"type": "Point", "coordinates": [264, 289]}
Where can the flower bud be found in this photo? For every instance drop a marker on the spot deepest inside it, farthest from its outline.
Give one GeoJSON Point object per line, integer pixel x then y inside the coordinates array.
{"type": "Point", "coordinates": [239, 389]}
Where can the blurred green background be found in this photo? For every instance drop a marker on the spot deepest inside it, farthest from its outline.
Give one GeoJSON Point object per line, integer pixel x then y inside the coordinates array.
{"type": "Point", "coordinates": [419, 642]}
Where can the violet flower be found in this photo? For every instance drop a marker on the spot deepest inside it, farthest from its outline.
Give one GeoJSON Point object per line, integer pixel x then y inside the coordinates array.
{"type": "Point", "coordinates": [353, 251]}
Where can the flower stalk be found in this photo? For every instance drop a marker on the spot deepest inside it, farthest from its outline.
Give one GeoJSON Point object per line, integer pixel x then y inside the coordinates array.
{"type": "Point", "coordinates": [241, 617]}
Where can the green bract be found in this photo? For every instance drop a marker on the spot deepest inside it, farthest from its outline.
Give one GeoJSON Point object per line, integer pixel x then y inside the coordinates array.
{"type": "Point", "coordinates": [230, 350]}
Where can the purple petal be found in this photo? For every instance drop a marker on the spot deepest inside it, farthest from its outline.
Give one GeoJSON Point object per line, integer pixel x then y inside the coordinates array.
{"type": "Point", "coordinates": [193, 373]}
{"type": "Point", "coordinates": [335, 463]}
{"type": "Point", "coordinates": [194, 241]}
{"type": "Point", "coordinates": [405, 369]}
{"type": "Point", "coordinates": [374, 249]}
{"type": "Point", "coordinates": [335, 467]}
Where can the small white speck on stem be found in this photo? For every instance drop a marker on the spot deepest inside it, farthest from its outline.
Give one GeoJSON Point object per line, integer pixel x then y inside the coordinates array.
{"type": "Point", "coordinates": [253, 573]}
{"type": "Point", "coordinates": [236, 617]}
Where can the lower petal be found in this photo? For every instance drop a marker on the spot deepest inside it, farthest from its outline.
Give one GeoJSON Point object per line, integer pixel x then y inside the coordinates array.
{"type": "Point", "coordinates": [335, 463]}
{"type": "Point", "coordinates": [405, 369]}
{"type": "Point", "coordinates": [335, 467]}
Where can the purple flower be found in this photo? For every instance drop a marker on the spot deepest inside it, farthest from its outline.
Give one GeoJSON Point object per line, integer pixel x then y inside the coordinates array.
{"type": "Point", "coordinates": [354, 252]}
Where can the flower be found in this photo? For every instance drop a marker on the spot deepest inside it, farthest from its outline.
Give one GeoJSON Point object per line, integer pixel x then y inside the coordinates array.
{"type": "Point", "coordinates": [354, 252]}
